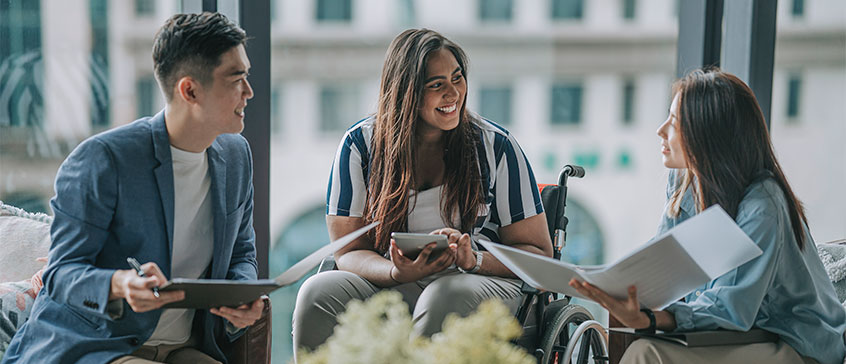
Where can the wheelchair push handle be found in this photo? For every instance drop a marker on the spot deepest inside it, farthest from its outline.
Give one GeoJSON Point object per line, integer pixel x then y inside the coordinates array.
{"type": "Point", "coordinates": [559, 240]}
{"type": "Point", "coordinates": [570, 170]}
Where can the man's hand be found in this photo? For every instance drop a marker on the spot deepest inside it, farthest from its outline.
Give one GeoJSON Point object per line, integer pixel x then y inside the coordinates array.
{"type": "Point", "coordinates": [138, 291]}
{"type": "Point", "coordinates": [243, 315]}
{"type": "Point", "coordinates": [406, 270]}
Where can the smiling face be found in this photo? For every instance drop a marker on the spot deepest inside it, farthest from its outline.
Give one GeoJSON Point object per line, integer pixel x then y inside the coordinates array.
{"type": "Point", "coordinates": [226, 96]}
{"type": "Point", "coordinates": [672, 149]}
{"type": "Point", "coordinates": [443, 92]}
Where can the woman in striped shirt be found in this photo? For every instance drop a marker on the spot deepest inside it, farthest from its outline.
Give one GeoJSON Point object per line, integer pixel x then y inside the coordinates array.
{"type": "Point", "coordinates": [424, 163]}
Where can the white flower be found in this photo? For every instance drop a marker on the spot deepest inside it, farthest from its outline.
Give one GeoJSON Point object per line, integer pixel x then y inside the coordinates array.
{"type": "Point", "coordinates": [380, 331]}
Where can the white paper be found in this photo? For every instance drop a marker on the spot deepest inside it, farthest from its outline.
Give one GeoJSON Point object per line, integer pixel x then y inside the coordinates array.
{"type": "Point", "coordinates": [305, 265]}
{"type": "Point", "coordinates": [669, 267]}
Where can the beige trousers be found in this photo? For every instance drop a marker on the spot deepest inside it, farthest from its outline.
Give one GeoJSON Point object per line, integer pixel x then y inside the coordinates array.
{"type": "Point", "coordinates": [655, 351]}
{"type": "Point", "coordinates": [184, 353]}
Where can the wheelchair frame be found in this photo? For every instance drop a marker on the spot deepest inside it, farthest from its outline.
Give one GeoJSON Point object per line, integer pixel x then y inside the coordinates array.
{"type": "Point", "coordinates": [546, 319]}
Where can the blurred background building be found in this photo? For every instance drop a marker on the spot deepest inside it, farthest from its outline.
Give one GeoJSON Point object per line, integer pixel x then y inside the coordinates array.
{"type": "Point", "coordinates": [577, 81]}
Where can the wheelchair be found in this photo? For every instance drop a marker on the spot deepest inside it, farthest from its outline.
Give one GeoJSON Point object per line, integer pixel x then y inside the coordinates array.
{"type": "Point", "coordinates": [554, 331]}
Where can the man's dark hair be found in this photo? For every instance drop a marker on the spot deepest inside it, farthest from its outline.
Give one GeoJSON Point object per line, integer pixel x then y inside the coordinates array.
{"type": "Point", "coordinates": [191, 45]}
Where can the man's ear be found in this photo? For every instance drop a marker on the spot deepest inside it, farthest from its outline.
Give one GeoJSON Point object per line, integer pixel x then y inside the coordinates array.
{"type": "Point", "coordinates": [187, 89]}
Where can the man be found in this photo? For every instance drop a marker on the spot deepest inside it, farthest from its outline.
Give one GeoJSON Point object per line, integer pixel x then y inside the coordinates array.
{"type": "Point", "coordinates": [173, 190]}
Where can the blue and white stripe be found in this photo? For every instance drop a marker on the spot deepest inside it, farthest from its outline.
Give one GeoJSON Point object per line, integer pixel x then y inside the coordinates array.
{"type": "Point", "coordinates": [512, 193]}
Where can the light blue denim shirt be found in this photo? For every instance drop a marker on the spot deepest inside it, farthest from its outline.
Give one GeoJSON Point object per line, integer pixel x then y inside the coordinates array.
{"type": "Point", "coordinates": [785, 291]}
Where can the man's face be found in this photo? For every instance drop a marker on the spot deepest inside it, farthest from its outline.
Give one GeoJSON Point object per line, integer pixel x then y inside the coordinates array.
{"type": "Point", "coordinates": [227, 94]}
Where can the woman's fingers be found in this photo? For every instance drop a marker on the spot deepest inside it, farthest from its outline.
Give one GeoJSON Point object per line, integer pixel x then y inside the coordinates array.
{"type": "Point", "coordinates": [424, 255]}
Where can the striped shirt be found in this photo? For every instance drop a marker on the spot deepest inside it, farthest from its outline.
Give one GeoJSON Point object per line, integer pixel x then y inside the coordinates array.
{"type": "Point", "coordinates": [512, 193]}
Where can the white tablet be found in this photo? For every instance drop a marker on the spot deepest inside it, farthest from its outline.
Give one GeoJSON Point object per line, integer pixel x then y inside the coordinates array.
{"type": "Point", "coordinates": [411, 244]}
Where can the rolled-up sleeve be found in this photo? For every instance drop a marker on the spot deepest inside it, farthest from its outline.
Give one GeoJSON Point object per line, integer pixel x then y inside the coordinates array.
{"type": "Point", "coordinates": [733, 300]}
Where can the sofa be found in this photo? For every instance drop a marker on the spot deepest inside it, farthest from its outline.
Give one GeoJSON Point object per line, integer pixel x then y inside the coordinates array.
{"type": "Point", "coordinates": [25, 238]}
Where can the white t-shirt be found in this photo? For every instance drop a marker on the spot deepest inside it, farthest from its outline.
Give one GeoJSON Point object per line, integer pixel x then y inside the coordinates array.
{"type": "Point", "coordinates": [425, 213]}
{"type": "Point", "coordinates": [193, 239]}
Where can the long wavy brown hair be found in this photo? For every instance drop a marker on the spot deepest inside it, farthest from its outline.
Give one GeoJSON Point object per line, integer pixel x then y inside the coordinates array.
{"type": "Point", "coordinates": [394, 143]}
{"type": "Point", "coordinates": [727, 146]}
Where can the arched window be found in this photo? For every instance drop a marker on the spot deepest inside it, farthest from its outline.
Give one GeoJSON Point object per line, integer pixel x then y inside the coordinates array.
{"type": "Point", "coordinates": [584, 238]}
{"type": "Point", "coordinates": [299, 238]}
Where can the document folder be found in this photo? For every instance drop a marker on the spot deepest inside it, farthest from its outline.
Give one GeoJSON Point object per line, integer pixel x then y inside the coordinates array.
{"type": "Point", "coordinates": [667, 268]}
{"type": "Point", "coordinates": [209, 293]}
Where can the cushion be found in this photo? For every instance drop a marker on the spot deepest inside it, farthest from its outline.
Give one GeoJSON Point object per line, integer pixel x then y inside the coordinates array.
{"type": "Point", "coordinates": [833, 256]}
{"type": "Point", "coordinates": [24, 237]}
{"type": "Point", "coordinates": [16, 299]}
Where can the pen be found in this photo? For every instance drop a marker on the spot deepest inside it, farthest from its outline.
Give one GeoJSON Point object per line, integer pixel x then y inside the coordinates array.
{"type": "Point", "coordinates": [134, 264]}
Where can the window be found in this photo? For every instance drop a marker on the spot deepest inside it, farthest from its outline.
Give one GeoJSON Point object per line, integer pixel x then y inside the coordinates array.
{"type": "Point", "coordinates": [298, 239]}
{"type": "Point", "coordinates": [495, 10]}
{"type": "Point", "coordinates": [624, 159]}
{"type": "Point", "coordinates": [629, 9]}
{"type": "Point", "coordinates": [567, 9]}
{"type": "Point", "coordinates": [566, 104]}
{"type": "Point", "coordinates": [495, 104]}
{"type": "Point", "coordinates": [145, 8]}
{"type": "Point", "coordinates": [99, 78]}
{"type": "Point", "coordinates": [794, 92]}
{"type": "Point", "coordinates": [334, 10]}
{"type": "Point", "coordinates": [798, 8]}
{"type": "Point", "coordinates": [21, 64]}
{"type": "Point", "coordinates": [628, 102]}
{"type": "Point", "coordinates": [146, 90]}
{"type": "Point", "coordinates": [338, 106]}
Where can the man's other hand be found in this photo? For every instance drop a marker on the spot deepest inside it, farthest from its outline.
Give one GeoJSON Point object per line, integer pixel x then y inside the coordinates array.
{"type": "Point", "coordinates": [243, 315]}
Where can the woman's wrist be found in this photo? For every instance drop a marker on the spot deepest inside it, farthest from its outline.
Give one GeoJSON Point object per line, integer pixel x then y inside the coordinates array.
{"type": "Point", "coordinates": [391, 274]}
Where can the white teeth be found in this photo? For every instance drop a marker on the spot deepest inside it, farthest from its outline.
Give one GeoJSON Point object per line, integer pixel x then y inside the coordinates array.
{"type": "Point", "coordinates": [447, 109]}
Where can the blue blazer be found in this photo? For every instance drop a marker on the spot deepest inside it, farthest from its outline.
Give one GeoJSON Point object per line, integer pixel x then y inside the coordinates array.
{"type": "Point", "coordinates": [114, 199]}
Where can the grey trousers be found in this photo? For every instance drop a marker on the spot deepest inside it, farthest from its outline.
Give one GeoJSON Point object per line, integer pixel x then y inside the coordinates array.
{"type": "Point", "coordinates": [654, 351]}
{"type": "Point", "coordinates": [324, 296]}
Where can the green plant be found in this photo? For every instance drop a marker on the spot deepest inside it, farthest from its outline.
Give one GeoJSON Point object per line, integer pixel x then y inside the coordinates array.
{"type": "Point", "coordinates": [380, 331]}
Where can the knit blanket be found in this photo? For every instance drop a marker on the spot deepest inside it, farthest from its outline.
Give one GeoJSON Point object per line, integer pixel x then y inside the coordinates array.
{"type": "Point", "coordinates": [833, 256]}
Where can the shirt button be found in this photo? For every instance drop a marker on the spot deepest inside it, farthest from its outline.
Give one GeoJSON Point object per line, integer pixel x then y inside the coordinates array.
{"type": "Point", "coordinates": [698, 293]}
{"type": "Point", "coordinates": [133, 341]}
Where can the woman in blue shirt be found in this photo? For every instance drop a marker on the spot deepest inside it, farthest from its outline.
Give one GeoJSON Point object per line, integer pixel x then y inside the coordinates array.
{"type": "Point", "coordinates": [717, 141]}
{"type": "Point", "coordinates": [424, 163]}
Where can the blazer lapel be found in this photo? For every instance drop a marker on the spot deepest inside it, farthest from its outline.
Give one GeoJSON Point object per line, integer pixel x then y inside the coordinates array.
{"type": "Point", "coordinates": [164, 180]}
{"type": "Point", "coordinates": [217, 172]}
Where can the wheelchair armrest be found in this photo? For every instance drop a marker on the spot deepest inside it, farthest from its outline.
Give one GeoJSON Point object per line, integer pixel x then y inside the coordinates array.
{"type": "Point", "coordinates": [327, 264]}
{"type": "Point", "coordinates": [253, 346]}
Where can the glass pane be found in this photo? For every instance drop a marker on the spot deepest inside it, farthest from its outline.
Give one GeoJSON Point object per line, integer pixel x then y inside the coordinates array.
{"type": "Point", "coordinates": [334, 10]}
{"type": "Point", "coordinates": [67, 71]}
{"type": "Point", "coordinates": [566, 104]}
{"type": "Point", "coordinates": [806, 119]}
{"type": "Point", "coordinates": [629, 9]}
{"type": "Point", "coordinates": [497, 10]}
{"type": "Point", "coordinates": [495, 104]}
{"type": "Point", "coordinates": [567, 9]}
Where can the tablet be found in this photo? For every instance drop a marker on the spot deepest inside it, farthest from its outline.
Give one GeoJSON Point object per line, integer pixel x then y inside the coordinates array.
{"type": "Point", "coordinates": [411, 244]}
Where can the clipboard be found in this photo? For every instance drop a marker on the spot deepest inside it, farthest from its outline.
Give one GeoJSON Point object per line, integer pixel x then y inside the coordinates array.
{"type": "Point", "coordinates": [706, 338]}
{"type": "Point", "coordinates": [209, 293]}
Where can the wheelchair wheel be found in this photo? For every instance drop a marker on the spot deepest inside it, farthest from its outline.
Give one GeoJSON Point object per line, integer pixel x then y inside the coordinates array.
{"type": "Point", "coordinates": [564, 325]}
